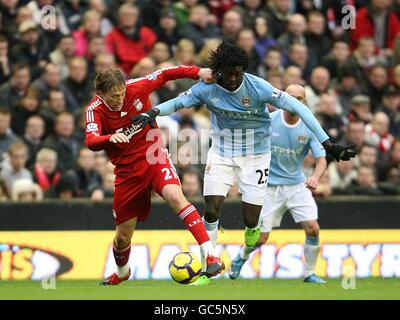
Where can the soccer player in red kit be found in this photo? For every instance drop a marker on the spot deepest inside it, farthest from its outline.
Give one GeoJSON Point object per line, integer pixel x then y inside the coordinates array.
{"type": "Point", "coordinates": [109, 128]}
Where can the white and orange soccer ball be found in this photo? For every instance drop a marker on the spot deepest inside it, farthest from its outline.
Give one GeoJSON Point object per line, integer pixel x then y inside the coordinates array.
{"type": "Point", "coordinates": [185, 267]}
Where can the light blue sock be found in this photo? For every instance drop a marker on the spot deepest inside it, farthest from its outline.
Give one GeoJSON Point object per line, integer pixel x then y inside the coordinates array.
{"type": "Point", "coordinates": [311, 251]}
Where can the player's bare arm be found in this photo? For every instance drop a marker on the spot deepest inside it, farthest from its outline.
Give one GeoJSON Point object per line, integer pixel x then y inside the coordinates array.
{"type": "Point", "coordinates": [320, 167]}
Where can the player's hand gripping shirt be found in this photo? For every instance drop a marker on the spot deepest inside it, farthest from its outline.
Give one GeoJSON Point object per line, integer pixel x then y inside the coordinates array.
{"type": "Point", "coordinates": [290, 145]}
{"type": "Point", "coordinates": [102, 122]}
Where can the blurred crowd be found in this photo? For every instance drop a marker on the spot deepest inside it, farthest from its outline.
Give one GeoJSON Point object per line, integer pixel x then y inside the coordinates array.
{"type": "Point", "coordinates": [348, 61]}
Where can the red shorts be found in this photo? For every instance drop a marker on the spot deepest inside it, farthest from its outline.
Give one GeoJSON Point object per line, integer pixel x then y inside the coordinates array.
{"type": "Point", "coordinates": [133, 186]}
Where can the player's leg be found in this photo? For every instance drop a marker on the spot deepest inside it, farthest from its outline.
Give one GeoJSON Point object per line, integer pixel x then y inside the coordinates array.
{"type": "Point", "coordinates": [219, 177]}
{"type": "Point", "coordinates": [173, 195]}
{"type": "Point", "coordinates": [304, 210]}
{"type": "Point", "coordinates": [253, 180]}
{"type": "Point", "coordinates": [212, 213]}
{"type": "Point", "coordinates": [311, 250]}
{"type": "Point", "coordinates": [271, 215]}
{"type": "Point", "coordinates": [121, 251]}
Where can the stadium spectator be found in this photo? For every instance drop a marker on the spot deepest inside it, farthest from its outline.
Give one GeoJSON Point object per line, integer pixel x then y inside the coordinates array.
{"type": "Point", "coordinates": [336, 58]}
{"type": "Point", "coordinates": [317, 41]}
{"type": "Point", "coordinates": [247, 41]}
{"type": "Point", "coordinates": [105, 23]}
{"type": "Point", "coordinates": [360, 109]}
{"type": "Point", "coordinates": [275, 77]}
{"type": "Point", "coordinates": [298, 56]}
{"type": "Point", "coordinates": [52, 107]}
{"type": "Point", "coordinates": [365, 183]}
{"type": "Point", "coordinates": [368, 156]}
{"type": "Point", "coordinates": [16, 87]}
{"type": "Point", "coordinates": [341, 175]}
{"type": "Point", "coordinates": [378, 80]}
{"type": "Point", "coordinates": [8, 13]}
{"type": "Point", "coordinates": [73, 11]}
{"type": "Point", "coordinates": [32, 48]}
{"type": "Point", "coordinates": [64, 51]}
{"type": "Point", "coordinates": [5, 65]}
{"type": "Point", "coordinates": [249, 10]}
{"type": "Point", "coordinates": [391, 106]}
{"type": "Point", "coordinates": [45, 172]}
{"type": "Point", "coordinates": [161, 52]}
{"type": "Point", "coordinates": [263, 39]}
{"type": "Point", "coordinates": [15, 168]}
{"type": "Point", "coordinates": [130, 41]}
{"type": "Point", "coordinates": [26, 107]}
{"type": "Point", "coordinates": [182, 10]}
{"type": "Point", "coordinates": [51, 79]}
{"type": "Point", "coordinates": [199, 27]}
{"type": "Point", "coordinates": [328, 116]}
{"type": "Point", "coordinates": [231, 24]}
{"type": "Point", "coordinates": [191, 183]}
{"type": "Point", "coordinates": [151, 11]}
{"type": "Point", "coordinates": [203, 55]}
{"type": "Point", "coordinates": [278, 14]}
{"type": "Point", "coordinates": [63, 141]}
{"type": "Point", "coordinates": [355, 132]}
{"type": "Point", "coordinates": [89, 181]}
{"type": "Point", "coordinates": [347, 87]}
{"type": "Point", "coordinates": [78, 83]}
{"type": "Point", "coordinates": [295, 33]}
{"type": "Point", "coordinates": [26, 190]}
{"type": "Point", "coordinates": [108, 184]}
{"type": "Point", "coordinates": [144, 67]}
{"type": "Point", "coordinates": [90, 28]}
{"type": "Point", "coordinates": [377, 134]}
{"type": "Point", "coordinates": [167, 31]}
{"type": "Point", "coordinates": [7, 137]}
{"type": "Point", "coordinates": [292, 75]}
{"type": "Point", "coordinates": [379, 22]}
{"type": "Point", "coordinates": [272, 61]}
{"type": "Point", "coordinates": [319, 84]}
{"type": "Point", "coordinates": [33, 137]}
{"type": "Point", "coordinates": [65, 189]}
{"type": "Point", "coordinates": [104, 61]}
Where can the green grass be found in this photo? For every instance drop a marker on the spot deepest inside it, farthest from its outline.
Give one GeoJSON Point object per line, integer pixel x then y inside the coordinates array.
{"type": "Point", "coordinates": [372, 288]}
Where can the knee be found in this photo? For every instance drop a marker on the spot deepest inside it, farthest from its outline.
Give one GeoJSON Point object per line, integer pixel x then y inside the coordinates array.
{"type": "Point", "coordinates": [250, 221]}
{"type": "Point", "coordinates": [211, 213]}
{"type": "Point", "coordinates": [175, 199]}
{"type": "Point", "coordinates": [312, 230]}
{"type": "Point", "coordinates": [122, 240]}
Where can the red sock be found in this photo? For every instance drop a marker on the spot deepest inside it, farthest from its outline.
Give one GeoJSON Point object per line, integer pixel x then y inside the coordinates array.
{"type": "Point", "coordinates": [121, 256]}
{"type": "Point", "coordinates": [193, 222]}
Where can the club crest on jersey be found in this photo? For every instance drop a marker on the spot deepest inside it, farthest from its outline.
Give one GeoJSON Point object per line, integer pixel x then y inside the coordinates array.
{"type": "Point", "coordinates": [152, 76]}
{"type": "Point", "coordinates": [91, 127]}
{"type": "Point", "coordinates": [246, 102]}
{"type": "Point", "coordinates": [302, 139]}
{"type": "Point", "coordinates": [276, 94]}
{"type": "Point", "coordinates": [138, 104]}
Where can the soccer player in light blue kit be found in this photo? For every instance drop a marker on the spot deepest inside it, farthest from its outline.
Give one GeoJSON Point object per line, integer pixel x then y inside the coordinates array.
{"type": "Point", "coordinates": [240, 132]}
{"type": "Point", "coordinates": [288, 189]}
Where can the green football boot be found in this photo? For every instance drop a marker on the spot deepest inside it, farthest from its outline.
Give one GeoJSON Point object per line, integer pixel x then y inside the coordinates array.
{"type": "Point", "coordinates": [201, 281]}
{"type": "Point", "coordinates": [251, 236]}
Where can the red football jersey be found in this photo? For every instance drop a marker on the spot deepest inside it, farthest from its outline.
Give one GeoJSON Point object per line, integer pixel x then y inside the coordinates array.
{"type": "Point", "coordinates": [102, 122]}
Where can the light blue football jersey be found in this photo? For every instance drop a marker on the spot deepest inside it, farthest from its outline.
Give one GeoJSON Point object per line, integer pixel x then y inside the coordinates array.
{"type": "Point", "coordinates": [240, 121]}
{"type": "Point", "coordinates": [290, 145]}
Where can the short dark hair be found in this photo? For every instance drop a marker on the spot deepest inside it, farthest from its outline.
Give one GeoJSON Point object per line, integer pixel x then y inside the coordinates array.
{"type": "Point", "coordinates": [107, 79]}
{"type": "Point", "coordinates": [226, 56]}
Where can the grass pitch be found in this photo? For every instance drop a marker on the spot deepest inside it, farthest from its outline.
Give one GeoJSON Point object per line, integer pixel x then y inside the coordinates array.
{"type": "Point", "coordinates": [221, 289]}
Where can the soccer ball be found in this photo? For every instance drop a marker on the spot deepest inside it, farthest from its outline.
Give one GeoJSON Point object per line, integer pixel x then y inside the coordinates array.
{"type": "Point", "coordinates": [185, 267]}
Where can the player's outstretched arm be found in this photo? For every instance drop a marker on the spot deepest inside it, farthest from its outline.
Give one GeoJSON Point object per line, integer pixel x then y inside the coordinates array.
{"type": "Point", "coordinates": [190, 98]}
{"type": "Point", "coordinates": [291, 104]}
